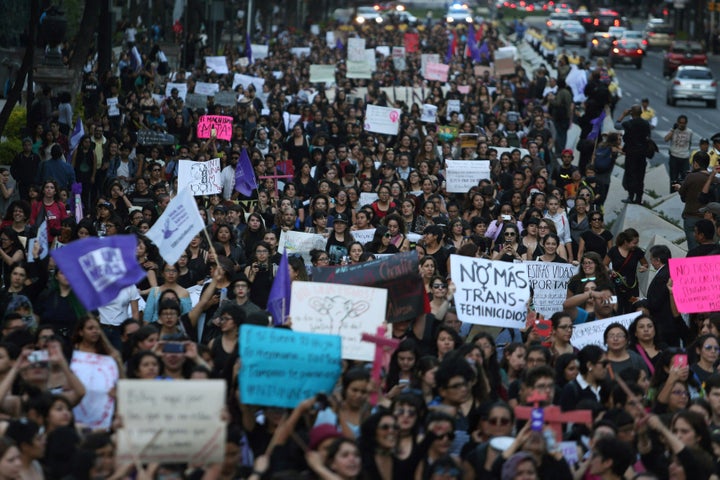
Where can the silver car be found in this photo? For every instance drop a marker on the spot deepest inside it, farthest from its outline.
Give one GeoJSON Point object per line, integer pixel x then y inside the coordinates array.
{"type": "Point", "coordinates": [692, 83]}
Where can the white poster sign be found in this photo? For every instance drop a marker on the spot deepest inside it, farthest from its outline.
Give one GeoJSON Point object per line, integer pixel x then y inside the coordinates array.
{"type": "Point", "coordinates": [452, 106]}
{"type": "Point", "coordinates": [217, 64]}
{"type": "Point", "coordinates": [113, 108]}
{"type": "Point", "coordinates": [429, 113]}
{"type": "Point", "coordinates": [591, 333]}
{"type": "Point", "coordinates": [367, 198]}
{"type": "Point", "coordinates": [204, 88]}
{"type": "Point", "coordinates": [398, 57]}
{"type": "Point", "coordinates": [290, 120]}
{"type": "Point", "coordinates": [345, 310]}
{"type": "Point", "coordinates": [383, 120]}
{"type": "Point", "coordinates": [300, 51]}
{"type": "Point", "coordinates": [548, 285]}
{"type": "Point", "coordinates": [371, 59]}
{"type": "Point", "coordinates": [181, 88]}
{"type": "Point", "coordinates": [356, 49]}
{"type": "Point", "coordinates": [358, 70]}
{"type": "Point", "coordinates": [177, 226]}
{"type": "Point", "coordinates": [302, 243]}
{"type": "Point", "coordinates": [501, 150]}
{"type": "Point", "coordinates": [490, 292]}
{"type": "Point", "coordinates": [171, 422]}
{"type": "Point", "coordinates": [383, 50]}
{"type": "Point", "coordinates": [426, 58]}
{"type": "Point", "coordinates": [363, 236]}
{"type": "Point", "coordinates": [461, 175]}
{"type": "Point", "coordinates": [246, 80]}
{"type": "Point", "coordinates": [437, 71]}
{"type": "Point", "coordinates": [99, 374]}
{"type": "Point", "coordinates": [259, 51]}
{"type": "Point", "coordinates": [322, 73]}
{"type": "Point", "coordinates": [202, 178]}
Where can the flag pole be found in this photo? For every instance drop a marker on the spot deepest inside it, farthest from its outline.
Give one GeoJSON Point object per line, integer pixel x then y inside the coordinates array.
{"type": "Point", "coordinates": [210, 244]}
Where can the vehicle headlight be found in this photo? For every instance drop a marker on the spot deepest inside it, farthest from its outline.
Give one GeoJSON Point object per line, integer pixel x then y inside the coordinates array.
{"type": "Point", "coordinates": [468, 19]}
{"type": "Point", "coordinates": [450, 19]}
{"type": "Point", "coordinates": [378, 19]}
{"type": "Point", "coordinates": [360, 19]}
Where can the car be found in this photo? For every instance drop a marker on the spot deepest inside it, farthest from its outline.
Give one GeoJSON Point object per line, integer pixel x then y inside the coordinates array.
{"type": "Point", "coordinates": [556, 20]}
{"type": "Point", "coordinates": [458, 13]}
{"type": "Point", "coordinates": [573, 32]}
{"type": "Point", "coordinates": [616, 32]}
{"type": "Point", "coordinates": [692, 83]}
{"type": "Point", "coordinates": [368, 14]}
{"type": "Point", "coordinates": [584, 17]}
{"type": "Point", "coordinates": [635, 35]}
{"type": "Point", "coordinates": [683, 52]}
{"type": "Point", "coordinates": [659, 34]}
{"type": "Point", "coordinates": [624, 52]}
{"type": "Point", "coordinates": [562, 8]}
{"type": "Point", "coordinates": [600, 44]}
{"type": "Point", "coordinates": [605, 18]}
{"type": "Point", "coordinates": [399, 14]}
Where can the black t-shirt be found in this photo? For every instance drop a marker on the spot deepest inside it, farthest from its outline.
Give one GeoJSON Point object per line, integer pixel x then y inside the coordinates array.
{"type": "Point", "coordinates": [596, 243]}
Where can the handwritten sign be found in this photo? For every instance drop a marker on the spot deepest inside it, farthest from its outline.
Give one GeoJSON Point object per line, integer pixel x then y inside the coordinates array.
{"type": "Point", "coordinates": [113, 108]}
{"type": "Point", "coordinates": [429, 113]}
{"type": "Point", "coordinates": [152, 137]}
{"type": "Point", "coordinates": [548, 285]}
{"type": "Point", "coordinates": [99, 374]}
{"type": "Point", "coordinates": [398, 274]}
{"type": "Point", "coordinates": [195, 101]}
{"type": "Point", "coordinates": [490, 292]}
{"type": "Point", "coordinates": [204, 88]}
{"type": "Point", "coordinates": [322, 73]}
{"type": "Point", "coordinates": [281, 368]}
{"type": "Point", "coordinates": [226, 99]}
{"type": "Point", "coordinates": [301, 242]}
{"type": "Point", "coordinates": [461, 175]}
{"type": "Point", "coordinates": [358, 70]}
{"type": "Point", "coordinates": [367, 198]}
{"type": "Point", "coordinates": [259, 51]}
{"type": "Point", "coordinates": [344, 310]}
{"type": "Point", "coordinates": [217, 64]}
{"type": "Point", "coordinates": [220, 123]}
{"type": "Point", "coordinates": [203, 178]}
{"type": "Point", "coordinates": [412, 42]}
{"type": "Point", "coordinates": [356, 49]}
{"type": "Point", "coordinates": [464, 89]}
{"type": "Point", "coordinates": [696, 282]}
{"type": "Point", "coordinates": [371, 59]}
{"type": "Point", "coordinates": [171, 421]}
{"type": "Point", "coordinates": [363, 236]}
{"type": "Point", "coordinates": [383, 120]}
{"type": "Point", "coordinates": [181, 88]}
{"type": "Point", "coordinates": [436, 71]}
{"type": "Point", "coordinates": [452, 106]}
{"type": "Point", "coordinates": [591, 333]}
{"type": "Point", "coordinates": [247, 80]}
{"type": "Point", "coordinates": [468, 140]}
{"type": "Point", "coordinates": [398, 58]}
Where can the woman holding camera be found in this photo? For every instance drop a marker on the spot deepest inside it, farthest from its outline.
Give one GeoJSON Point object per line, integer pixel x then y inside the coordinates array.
{"type": "Point", "coordinates": [261, 273]}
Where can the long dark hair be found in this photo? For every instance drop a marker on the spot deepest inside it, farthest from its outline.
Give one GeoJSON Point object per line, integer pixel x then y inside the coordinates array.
{"type": "Point", "coordinates": [393, 376]}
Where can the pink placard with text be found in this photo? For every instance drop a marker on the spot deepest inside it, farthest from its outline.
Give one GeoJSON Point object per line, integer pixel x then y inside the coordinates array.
{"type": "Point", "coordinates": [222, 125]}
{"type": "Point", "coordinates": [696, 281]}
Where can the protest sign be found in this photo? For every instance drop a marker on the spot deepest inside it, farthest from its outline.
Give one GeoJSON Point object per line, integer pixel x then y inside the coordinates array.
{"type": "Point", "coordinates": [194, 101]}
{"type": "Point", "coordinates": [591, 333]}
{"type": "Point", "coordinates": [43, 240]}
{"type": "Point", "coordinates": [217, 64]}
{"type": "Point", "coordinates": [99, 374]}
{"type": "Point", "coordinates": [152, 137]}
{"type": "Point", "coordinates": [696, 282]}
{"type": "Point", "coordinates": [358, 70]}
{"type": "Point", "coordinates": [281, 368]}
{"type": "Point", "coordinates": [181, 88]}
{"type": "Point", "coordinates": [468, 140]}
{"type": "Point", "coordinates": [429, 113]}
{"type": "Point", "coordinates": [383, 50]}
{"type": "Point", "coordinates": [370, 59]}
{"type": "Point", "coordinates": [479, 70]}
{"type": "Point", "coordinates": [427, 58]}
{"type": "Point", "coordinates": [220, 123]}
{"type": "Point", "coordinates": [300, 51]}
{"type": "Point", "coordinates": [322, 73]}
{"type": "Point", "coordinates": [330, 39]}
{"type": "Point", "coordinates": [398, 274]}
{"type": "Point", "coordinates": [301, 242]}
{"type": "Point", "coordinates": [247, 80]}
{"type": "Point", "coordinates": [208, 89]}
{"type": "Point", "coordinates": [501, 150]}
{"type": "Point", "coordinates": [436, 71]}
{"type": "Point", "coordinates": [226, 99]}
{"type": "Point", "coordinates": [367, 198]}
{"type": "Point", "coordinates": [447, 132]}
{"type": "Point", "coordinates": [290, 120]}
{"type": "Point", "coordinates": [462, 175]}
{"type": "Point", "coordinates": [383, 120]}
{"type": "Point", "coordinates": [452, 106]}
{"type": "Point", "coordinates": [412, 42]}
{"type": "Point", "coordinates": [177, 226]}
{"type": "Point", "coordinates": [171, 422]}
{"type": "Point", "coordinates": [464, 89]}
{"type": "Point", "coordinates": [113, 108]}
{"type": "Point", "coordinates": [548, 285]}
{"type": "Point", "coordinates": [336, 309]}
{"type": "Point", "coordinates": [259, 51]}
{"type": "Point", "coordinates": [363, 236]}
{"type": "Point", "coordinates": [490, 292]}
{"type": "Point", "coordinates": [398, 58]}
{"type": "Point", "coordinates": [356, 49]}
{"type": "Point", "coordinates": [202, 178]}
{"type": "Point", "coordinates": [504, 61]}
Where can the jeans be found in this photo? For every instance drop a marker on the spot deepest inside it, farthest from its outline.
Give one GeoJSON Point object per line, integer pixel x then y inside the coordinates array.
{"type": "Point", "coordinates": [678, 168]}
{"type": "Point", "coordinates": [689, 227]}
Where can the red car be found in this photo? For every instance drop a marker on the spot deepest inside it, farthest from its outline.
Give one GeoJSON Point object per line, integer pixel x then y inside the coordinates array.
{"type": "Point", "coordinates": [626, 52]}
{"type": "Point", "coordinates": [683, 52]}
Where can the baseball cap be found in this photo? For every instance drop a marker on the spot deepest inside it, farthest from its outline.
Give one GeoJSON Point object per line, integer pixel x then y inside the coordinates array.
{"type": "Point", "coordinates": [712, 207]}
{"type": "Point", "coordinates": [567, 151]}
{"type": "Point", "coordinates": [342, 217]}
{"type": "Point", "coordinates": [322, 432]}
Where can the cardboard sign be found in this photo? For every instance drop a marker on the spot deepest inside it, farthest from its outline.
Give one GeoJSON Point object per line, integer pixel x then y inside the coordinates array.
{"type": "Point", "coordinates": [217, 64]}
{"type": "Point", "coordinates": [195, 101]}
{"type": "Point", "coordinates": [302, 243]}
{"type": "Point", "coordinates": [591, 333]}
{"type": "Point", "coordinates": [367, 198]}
{"type": "Point", "coordinates": [398, 58]}
{"type": "Point", "coordinates": [151, 137]}
{"type": "Point", "coordinates": [363, 236]}
{"type": "Point", "coordinates": [222, 125]}
{"type": "Point", "coordinates": [322, 73]}
{"type": "Point", "coordinates": [181, 88]}
{"type": "Point", "coordinates": [490, 292]}
{"type": "Point", "coordinates": [398, 274]}
{"type": "Point", "coordinates": [247, 80]}
{"type": "Point", "coordinates": [99, 374]}
{"type": "Point", "coordinates": [370, 59]}
{"type": "Point", "coordinates": [361, 70]}
{"type": "Point", "coordinates": [259, 51]}
{"type": "Point", "coordinates": [113, 108]}
{"type": "Point", "coordinates": [462, 175]}
{"type": "Point", "coordinates": [171, 421]}
{"type": "Point", "coordinates": [208, 89]}
{"type": "Point", "coordinates": [412, 42]}
{"type": "Point", "coordinates": [226, 99]}
{"type": "Point", "coordinates": [437, 71]}
{"type": "Point", "coordinates": [548, 285]}
{"type": "Point", "coordinates": [468, 140]}
{"type": "Point", "coordinates": [383, 120]}
{"type": "Point", "coordinates": [425, 59]}
{"type": "Point", "coordinates": [696, 282]}
{"type": "Point", "coordinates": [281, 368]}
{"type": "Point", "coordinates": [452, 106]}
{"type": "Point", "coordinates": [429, 113]}
{"type": "Point", "coordinates": [202, 178]}
{"type": "Point", "coordinates": [347, 311]}
{"type": "Point", "coordinates": [356, 49]}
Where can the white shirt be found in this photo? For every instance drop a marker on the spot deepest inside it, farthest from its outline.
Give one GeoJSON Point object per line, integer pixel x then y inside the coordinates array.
{"type": "Point", "coordinates": [584, 385]}
{"type": "Point", "coordinates": [227, 178]}
{"type": "Point", "coordinates": [577, 80]}
{"type": "Point", "coordinates": [116, 312]}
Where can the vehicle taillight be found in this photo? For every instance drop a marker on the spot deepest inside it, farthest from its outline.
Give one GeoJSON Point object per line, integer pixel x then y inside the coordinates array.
{"type": "Point", "coordinates": [639, 51]}
{"type": "Point", "coordinates": [616, 23]}
{"type": "Point", "coordinates": [594, 41]}
{"type": "Point", "coordinates": [676, 82]}
{"type": "Point", "coordinates": [713, 84]}
{"type": "Point", "coordinates": [644, 42]}
{"type": "Point", "coordinates": [596, 22]}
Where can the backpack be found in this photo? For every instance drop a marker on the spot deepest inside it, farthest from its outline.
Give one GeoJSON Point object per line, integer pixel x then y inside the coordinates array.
{"type": "Point", "coordinates": [603, 159]}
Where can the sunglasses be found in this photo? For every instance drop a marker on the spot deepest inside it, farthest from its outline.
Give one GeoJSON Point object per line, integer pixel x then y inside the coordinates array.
{"type": "Point", "coordinates": [502, 421]}
{"type": "Point", "coordinates": [388, 426]}
{"type": "Point", "coordinates": [410, 412]}
{"type": "Point", "coordinates": [509, 234]}
{"type": "Point", "coordinates": [439, 285]}
{"type": "Point", "coordinates": [446, 436]}
{"type": "Point", "coordinates": [711, 348]}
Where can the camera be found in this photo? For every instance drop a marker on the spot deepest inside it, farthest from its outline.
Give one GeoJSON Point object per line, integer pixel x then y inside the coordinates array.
{"type": "Point", "coordinates": [321, 402]}
{"type": "Point", "coordinates": [262, 267]}
{"type": "Point", "coordinates": [174, 347]}
{"type": "Point", "coordinates": [38, 356]}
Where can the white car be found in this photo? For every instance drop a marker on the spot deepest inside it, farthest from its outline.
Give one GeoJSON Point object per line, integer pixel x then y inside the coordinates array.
{"type": "Point", "coordinates": [368, 14]}
{"type": "Point", "coordinates": [638, 35]}
{"type": "Point", "coordinates": [617, 32]}
{"type": "Point", "coordinates": [458, 13]}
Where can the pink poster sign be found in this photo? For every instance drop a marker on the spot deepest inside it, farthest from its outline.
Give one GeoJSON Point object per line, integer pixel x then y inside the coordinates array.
{"type": "Point", "coordinates": [222, 125]}
{"type": "Point", "coordinates": [696, 282]}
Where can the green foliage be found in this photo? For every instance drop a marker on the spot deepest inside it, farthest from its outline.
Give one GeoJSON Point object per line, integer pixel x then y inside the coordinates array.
{"type": "Point", "coordinates": [13, 134]}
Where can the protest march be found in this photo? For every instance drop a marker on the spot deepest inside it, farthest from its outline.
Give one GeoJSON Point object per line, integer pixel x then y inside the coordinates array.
{"type": "Point", "coordinates": [352, 250]}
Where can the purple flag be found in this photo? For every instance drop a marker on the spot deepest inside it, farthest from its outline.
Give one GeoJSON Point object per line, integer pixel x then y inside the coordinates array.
{"type": "Point", "coordinates": [484, 50]}
{"type": "Point", "coordinates": [248, 48]}
{"type": "Point", "coordinates": [99, 268]}
{"type": "Point", "coordinates": [449, 53]}
{"type": "Point", "coordinates": [596, 126]}
{"type": "Point", "coordinates": [472, 44]}
{"type": "Point", "coordinates": [339, 45]}
{"type": "Point", "coordinates": [279, 299]}
{"type": "Point", "coordinates": [245, 181]}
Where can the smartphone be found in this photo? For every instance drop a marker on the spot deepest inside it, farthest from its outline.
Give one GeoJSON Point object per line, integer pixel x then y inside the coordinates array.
{"type": "Point", "coordinates": [403, 382]}
{"type": "Point", "coordinates": [506, 218]}
{"type": "Point", "coordinates": [321, 402]}
{"type": "Point", "coordinates": [174, 347]}
{"type": "Point", "coordinates": [38, 356]}
{"type": "Point", "coordinates": [213, 132]}
{"type": "Point", "coordinates": [613, 299]}
{"type": "Point", "coordinates": [680, 360]}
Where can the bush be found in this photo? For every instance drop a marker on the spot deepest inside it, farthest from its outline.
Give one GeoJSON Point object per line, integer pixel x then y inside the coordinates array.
{"type": "Point", "coordinates": [12, 140]}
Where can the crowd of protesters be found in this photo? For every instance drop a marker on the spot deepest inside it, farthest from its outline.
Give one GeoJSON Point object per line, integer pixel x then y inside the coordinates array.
{"type": "Point", "coordinates": [448, 396]}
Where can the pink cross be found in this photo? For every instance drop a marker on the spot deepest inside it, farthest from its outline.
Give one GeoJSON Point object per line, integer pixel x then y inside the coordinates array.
{"type": "Point", "coordinates": [382, 344]}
